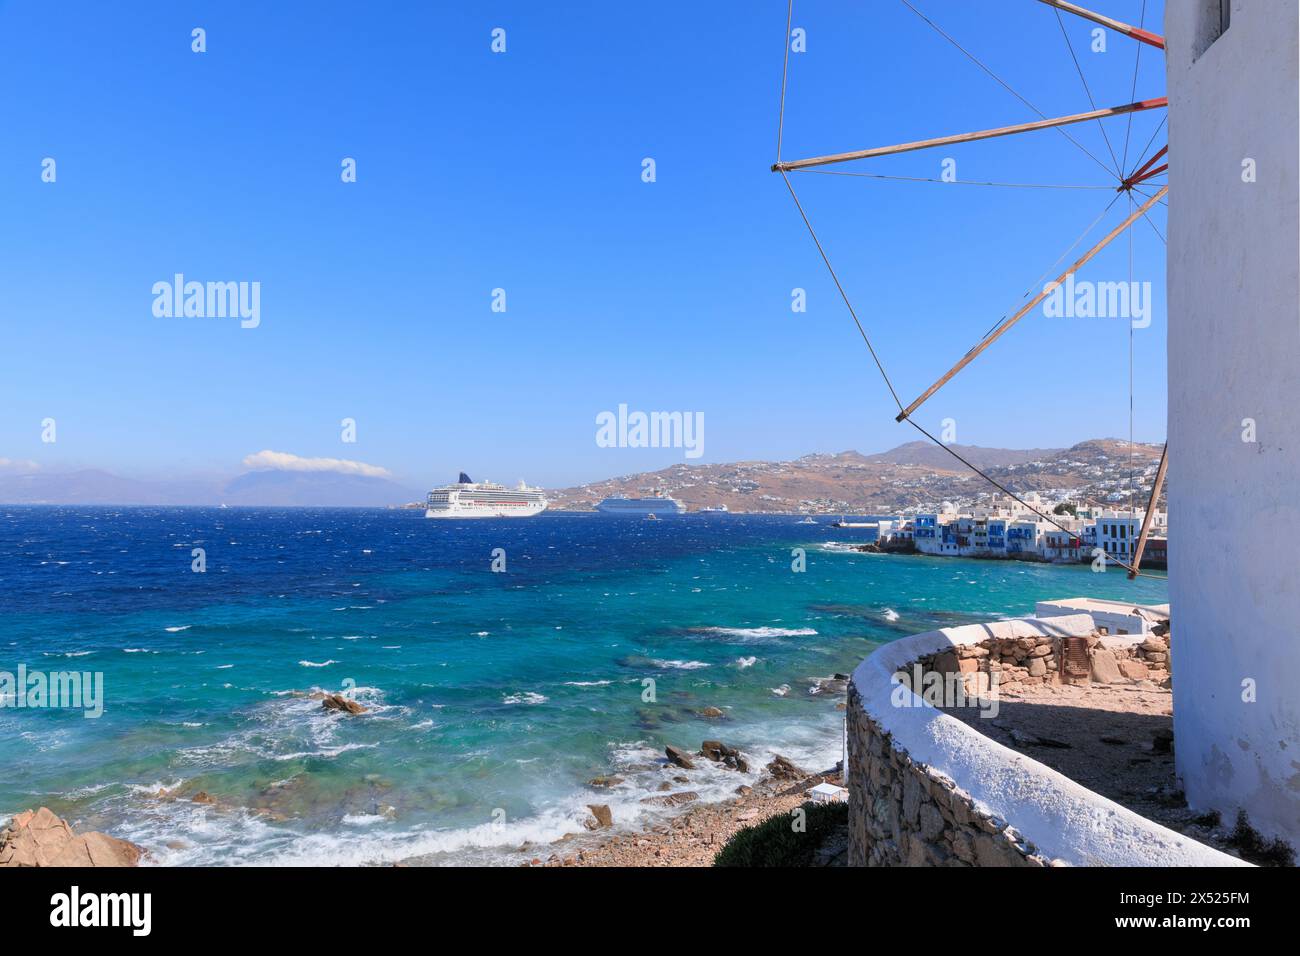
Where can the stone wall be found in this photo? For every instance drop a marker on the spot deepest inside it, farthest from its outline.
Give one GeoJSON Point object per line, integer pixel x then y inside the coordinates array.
{"type": "Point", "coordinates": [1022, 662]}
{"type": "Point", "coordinates": [902, 813]}
{"type": "Point", "coordinates": [925, 789]}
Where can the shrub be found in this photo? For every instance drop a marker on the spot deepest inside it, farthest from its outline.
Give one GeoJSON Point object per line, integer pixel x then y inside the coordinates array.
{"type": "Point", "coordinates": [1255, 849]}
{"type": "Point", "coordinates": [774, 842]}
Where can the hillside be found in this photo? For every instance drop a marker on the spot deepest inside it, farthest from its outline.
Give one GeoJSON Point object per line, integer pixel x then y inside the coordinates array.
{"type": "Point", "coordinates": [912, 475]}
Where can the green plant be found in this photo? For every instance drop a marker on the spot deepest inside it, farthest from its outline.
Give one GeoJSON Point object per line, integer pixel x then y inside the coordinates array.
{"type": "Point", "coordinates": [1209, 819]}
{"type": "Point", "coordinates": [1255, 849]}
{"type": "Point", "coordinates": [777, 842]}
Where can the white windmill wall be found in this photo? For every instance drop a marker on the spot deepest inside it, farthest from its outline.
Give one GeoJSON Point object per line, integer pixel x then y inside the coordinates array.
{"type": "Point", "coordinates": [1234, 354]}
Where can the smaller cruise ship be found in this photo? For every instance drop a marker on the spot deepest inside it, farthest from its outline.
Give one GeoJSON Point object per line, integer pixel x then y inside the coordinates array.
{"type": "Point", "coordinates": [658, 505]}
{"type": "Point", "coordinates": [484, 499]}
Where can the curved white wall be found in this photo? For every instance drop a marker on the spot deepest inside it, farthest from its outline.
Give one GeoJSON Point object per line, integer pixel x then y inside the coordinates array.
{"type": "Point", "coordinates": [1065, 821]}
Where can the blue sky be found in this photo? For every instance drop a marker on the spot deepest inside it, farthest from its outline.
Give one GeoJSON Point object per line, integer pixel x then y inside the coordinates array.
{"type": "Point", "coordinates": [522, 171]}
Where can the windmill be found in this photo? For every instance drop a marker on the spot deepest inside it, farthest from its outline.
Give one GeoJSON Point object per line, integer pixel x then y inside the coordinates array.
{"type": "Point", "coordinates": [1127, 183]}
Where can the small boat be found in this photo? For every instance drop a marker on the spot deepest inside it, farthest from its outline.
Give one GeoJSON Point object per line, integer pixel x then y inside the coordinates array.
{"type": "Point", "coordinates": [807, 521]}
{"type": "Point", "coordinates": [652, 517]}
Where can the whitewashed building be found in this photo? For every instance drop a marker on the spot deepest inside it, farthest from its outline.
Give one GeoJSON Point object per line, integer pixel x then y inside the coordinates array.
{"type": "Point", "coordinates": [1234, 405]}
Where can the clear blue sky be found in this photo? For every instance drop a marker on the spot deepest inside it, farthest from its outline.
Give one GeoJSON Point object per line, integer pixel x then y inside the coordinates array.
{"type": "Point", "coordinates": [523, 171]}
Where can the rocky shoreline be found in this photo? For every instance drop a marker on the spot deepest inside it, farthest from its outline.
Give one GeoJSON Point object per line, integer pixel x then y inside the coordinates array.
{"type": "Point", "coordinates": [41, 838]}
{"type": "Point", "coordinates": [693, 837]}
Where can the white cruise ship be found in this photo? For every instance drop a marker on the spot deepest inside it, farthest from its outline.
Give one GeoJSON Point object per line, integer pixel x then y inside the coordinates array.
{"type": "Point", "coordinates": [659, 505]}
{"type": "Point", "coordinates": [484, 499]}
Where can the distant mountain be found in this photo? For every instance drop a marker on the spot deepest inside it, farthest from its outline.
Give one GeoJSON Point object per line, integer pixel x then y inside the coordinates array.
{"type": "Point", "coordinates": [264, 488]}
{"type": "Point", "coordinates": [315, 489]}
{"type": "Point", "coordinates": [94, 487]}
{"type": "Point", "coordinates": [929, 455]}
{"type": "Point", "coordinates": [916, 474]}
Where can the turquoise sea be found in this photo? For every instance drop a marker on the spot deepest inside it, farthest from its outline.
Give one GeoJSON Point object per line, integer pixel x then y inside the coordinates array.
{"type": "Point", "coordinates": [493, 697]}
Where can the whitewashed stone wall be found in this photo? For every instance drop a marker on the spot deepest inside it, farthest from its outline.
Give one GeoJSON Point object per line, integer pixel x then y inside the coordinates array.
{"type": "Point", "coordinates": [927, 790]}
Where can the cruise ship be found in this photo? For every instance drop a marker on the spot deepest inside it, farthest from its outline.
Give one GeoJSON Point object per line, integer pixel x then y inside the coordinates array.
{"type": "Point", "coordinates": [659, 505]}
{"type": "Point", "coordinates": [484, 499]}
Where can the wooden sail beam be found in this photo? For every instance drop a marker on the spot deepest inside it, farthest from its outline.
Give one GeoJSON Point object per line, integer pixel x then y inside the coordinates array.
{"type": "Point", "coordinates": [1152, 161]}
{"type": "Point", "coordinates": [1137, 33]}
{"type": "Point", "coordinates": [1155, 172]}
{"type": "Point", "coordinates": [972, 137]}
{"type": "Point", "coordinates": [1142, 174]}
{"type": "Point", "coordinates": [996, 333]}
{"type": "Point", "coordinates": [1151, 510]}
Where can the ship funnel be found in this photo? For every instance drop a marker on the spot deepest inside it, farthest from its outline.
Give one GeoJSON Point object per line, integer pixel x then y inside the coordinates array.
{"type": "Point", "coordinates": [464, 479]}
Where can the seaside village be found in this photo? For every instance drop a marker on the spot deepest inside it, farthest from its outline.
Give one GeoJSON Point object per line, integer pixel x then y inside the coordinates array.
{"type": "Point", "coordinates": [1007, 528]}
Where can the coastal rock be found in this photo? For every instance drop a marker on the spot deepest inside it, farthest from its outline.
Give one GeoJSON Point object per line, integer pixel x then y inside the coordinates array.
{"type": "Point", "coordinates": [711, 713]}
{"type": "Point", "coordinates": [605, 781]}
{"type": "Point", "coordinates": [828, 685]}
{"type": "Point", "coordinates": [672, 799]}
{"type": "Point", "coordinates": [717, 751]}
{"type": "Point", "coordinates": [782, 768]}
{"type": "Point", "coordinates": [340, 703]}
{"type": "Point", "coordinates": [604, 818]}
{"type": "Point", "coordinates": [204, 797]}
{"type": "Point", "coordinates": [40, 838]}
{"type": "Point", "coordinates": [679, 757]}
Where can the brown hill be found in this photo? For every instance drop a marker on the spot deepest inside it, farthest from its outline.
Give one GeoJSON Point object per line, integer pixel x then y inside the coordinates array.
{"type": "Point", "coordinates": [911, 475]}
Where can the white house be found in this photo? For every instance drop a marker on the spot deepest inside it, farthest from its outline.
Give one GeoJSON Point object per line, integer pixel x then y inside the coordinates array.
{"type": "Point", "coordinates": [1115, 618]}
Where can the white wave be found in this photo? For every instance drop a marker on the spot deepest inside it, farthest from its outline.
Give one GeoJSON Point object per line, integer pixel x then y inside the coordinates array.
{"type": "Point", "coordinates": [363, 819]}
{"type": "Point", "coordinates": [325, 751]}
{"type": "Point", "coordinates": [782, 690]}
{"type": "Point", "coordinates": [744, 662]}
{"type": "Point", "coordinates": [526, 697]}
{"type": "Point", "coordinates": [761, 632]}
{"type": "Point", "coordinates": [587, 683]}
{"type": "Point", "coordinates": [65, 653]}
{"type": "Point", "coordinates": [890, 614]}
{"type": "Point", "coordinates": [314, 664]}
{"type": "Point", "coordinates": [678, 665]}
{"type": "Point", "coordinates": [157, 785]}
{"type": "Point", "coordinates": [173, 630]}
